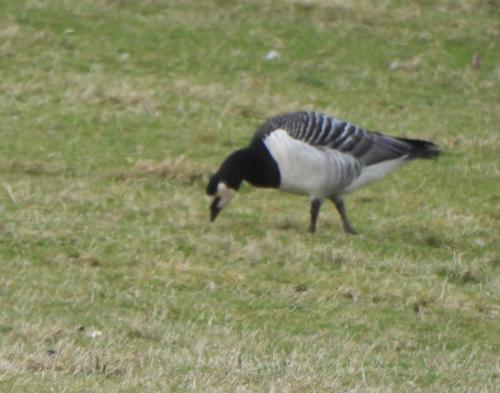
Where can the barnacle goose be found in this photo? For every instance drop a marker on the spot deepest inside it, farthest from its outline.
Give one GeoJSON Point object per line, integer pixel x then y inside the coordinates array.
{"type": "Point", "coordinates": [313, 154]}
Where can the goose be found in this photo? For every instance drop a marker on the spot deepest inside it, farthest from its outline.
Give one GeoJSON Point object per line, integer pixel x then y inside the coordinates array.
{"type": "Point", "coordinates": [313, 154]}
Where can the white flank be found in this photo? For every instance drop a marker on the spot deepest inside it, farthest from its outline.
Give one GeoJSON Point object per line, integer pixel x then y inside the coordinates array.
{"type": "Point", "coordinates": [310, 170]}
{"type": "Point", "coordinates": [375, 172]}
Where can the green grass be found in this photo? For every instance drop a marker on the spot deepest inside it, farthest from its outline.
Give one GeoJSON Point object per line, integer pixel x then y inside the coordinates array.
{"type": "Point", "coordinates": [114, 113]}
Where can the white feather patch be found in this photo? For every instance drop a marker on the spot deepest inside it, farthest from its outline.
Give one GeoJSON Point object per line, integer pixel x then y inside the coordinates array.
{"type": "Point", "coordinates": [225, 193]}
{"type": "Point", "coordinates": [375, 172]}
{"type": "Point", "coordinates": [310, 170]}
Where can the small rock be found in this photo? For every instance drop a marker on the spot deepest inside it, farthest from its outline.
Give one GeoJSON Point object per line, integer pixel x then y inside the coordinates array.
{"type": "Point", "coordinates": [409, 65]}
{"type": "Point", "coordinates": [476, 61]}
{"type": "Point", "coordinates": [350, 293]}
{"type": "Point", "coordinates": [124, 57]}
{"type": "Point", "coordinates": [210, 286]}
{"type": "Point", "coordinates": [480, 242]}
{"type": "Point", "coordinates": [394, 65]}
{"type": "Point", "coordinates": [95, 334]}
{"type": "Point", "coordinates": [271, 55]}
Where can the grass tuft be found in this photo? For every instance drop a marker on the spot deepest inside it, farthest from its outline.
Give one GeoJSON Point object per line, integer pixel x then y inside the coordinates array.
{"type": "Point", "coordinates": [179, 168]}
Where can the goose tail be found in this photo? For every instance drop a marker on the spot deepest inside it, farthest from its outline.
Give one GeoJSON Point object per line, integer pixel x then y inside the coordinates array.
{"type": "Point", "coordinates": [421, 149]}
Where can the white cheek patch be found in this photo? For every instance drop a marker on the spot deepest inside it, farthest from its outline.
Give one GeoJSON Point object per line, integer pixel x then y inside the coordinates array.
{"type": "Point", "coordinates": [225, 194]}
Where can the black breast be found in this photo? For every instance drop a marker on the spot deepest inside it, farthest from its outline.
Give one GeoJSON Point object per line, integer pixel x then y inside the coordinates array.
{"type": "Point", "coordinates": [262, 169]}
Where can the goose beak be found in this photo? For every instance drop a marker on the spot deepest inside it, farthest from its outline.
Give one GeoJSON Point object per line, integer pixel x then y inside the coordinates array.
{"type": "Point", "coordinates": [213, 215]}
{"type": "Point", "coordinates": [214, 209]}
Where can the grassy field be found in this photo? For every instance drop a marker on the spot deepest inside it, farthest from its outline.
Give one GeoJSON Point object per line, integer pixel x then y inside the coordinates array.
{"type": "Point", "coordinates": [114, 113]}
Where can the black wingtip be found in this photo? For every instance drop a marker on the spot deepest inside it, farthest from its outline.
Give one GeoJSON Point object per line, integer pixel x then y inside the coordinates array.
{"type": "Point", "coordinates": [422, 149]}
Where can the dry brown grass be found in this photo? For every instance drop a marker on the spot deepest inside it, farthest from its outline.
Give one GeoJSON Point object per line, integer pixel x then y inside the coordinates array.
{"type": "Point", "coordinates": [178, 168]}
{"type": "Point", "coordinates": [34, 167]}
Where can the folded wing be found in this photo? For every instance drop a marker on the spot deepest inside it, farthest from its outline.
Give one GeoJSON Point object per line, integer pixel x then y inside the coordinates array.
{"type": "Point", "coordinates": [318, 129]}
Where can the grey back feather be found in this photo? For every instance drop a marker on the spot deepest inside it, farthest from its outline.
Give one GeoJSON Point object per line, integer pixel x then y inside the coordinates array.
{"type": "Point", "coordinates": [322, 130]}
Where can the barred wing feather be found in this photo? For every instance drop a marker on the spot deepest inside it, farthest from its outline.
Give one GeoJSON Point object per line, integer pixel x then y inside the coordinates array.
{"type": "Point", "coordinates": [318, 129]}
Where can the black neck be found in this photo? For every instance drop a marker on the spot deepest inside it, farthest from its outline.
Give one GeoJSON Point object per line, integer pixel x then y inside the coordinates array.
{"type": "Point", "coordinates": [253, 164]}
{"type": "Point", "coordinates": [263, 171]}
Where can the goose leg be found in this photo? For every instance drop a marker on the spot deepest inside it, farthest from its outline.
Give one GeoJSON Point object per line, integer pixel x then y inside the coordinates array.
{"type": "Point", "coordinates": [315, 205]}
{"type": "Point", "coordinates": [339, 204]}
